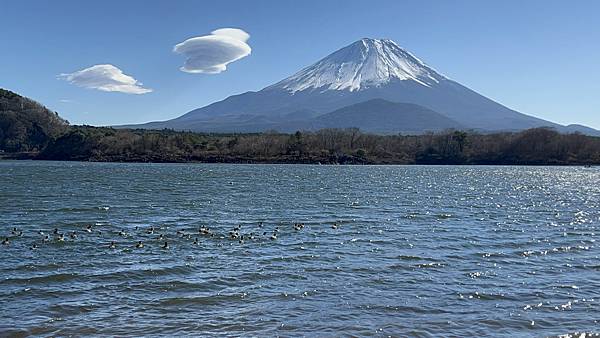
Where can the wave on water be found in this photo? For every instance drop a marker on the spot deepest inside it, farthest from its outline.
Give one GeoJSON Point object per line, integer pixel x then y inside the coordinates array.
{"type": "Point", "coordinates": [176, 250]}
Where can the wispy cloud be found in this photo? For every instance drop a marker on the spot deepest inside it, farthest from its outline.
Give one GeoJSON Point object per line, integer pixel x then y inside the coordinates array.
{"type": "Point", "coordinates": [210, 54]}
{"type": "Point", "coordinates": [107, 78]}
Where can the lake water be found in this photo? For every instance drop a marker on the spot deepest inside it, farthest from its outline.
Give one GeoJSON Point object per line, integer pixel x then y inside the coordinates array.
{"type": "Point", "coordinates": [418, 251]}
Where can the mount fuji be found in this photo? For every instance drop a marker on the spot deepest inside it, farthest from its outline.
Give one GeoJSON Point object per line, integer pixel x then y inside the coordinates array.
{"type": "Point", "coordinates": [371, 84]}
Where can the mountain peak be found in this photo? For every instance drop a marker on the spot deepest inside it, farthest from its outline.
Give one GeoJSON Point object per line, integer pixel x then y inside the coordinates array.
{"type": "Point", "coordinates": [363, 64]}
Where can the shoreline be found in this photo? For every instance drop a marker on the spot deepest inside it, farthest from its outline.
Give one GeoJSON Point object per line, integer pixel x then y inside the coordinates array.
{"type": "Point", "coordinates": [267, 162]}
{"type": "Point", "coordinates": [532, 147]}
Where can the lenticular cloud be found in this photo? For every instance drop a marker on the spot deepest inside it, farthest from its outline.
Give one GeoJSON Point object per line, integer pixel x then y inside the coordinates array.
{"type": "Point", "coordinates": [210, 54]}
{"type": "Point", "coordinates": [107, 78]}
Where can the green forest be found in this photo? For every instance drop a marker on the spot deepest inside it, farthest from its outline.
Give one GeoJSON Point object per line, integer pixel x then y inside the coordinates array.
{"type": "Point", "coordinates": [29, 130]}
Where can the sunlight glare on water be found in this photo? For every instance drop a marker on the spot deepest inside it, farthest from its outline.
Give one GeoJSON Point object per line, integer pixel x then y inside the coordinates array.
{"type": "Point", "coordinates": [385, 250]}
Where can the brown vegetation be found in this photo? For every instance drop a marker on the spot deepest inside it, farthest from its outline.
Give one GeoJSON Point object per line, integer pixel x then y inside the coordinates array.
{"type": "Point", "coordinates": [348, 146]}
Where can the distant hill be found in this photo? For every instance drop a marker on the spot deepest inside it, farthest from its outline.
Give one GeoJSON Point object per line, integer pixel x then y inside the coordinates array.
{"type": "Point", "coordinates": [377, 116]}
{"type": "Point", "coordinates": [385, 117]}
{"type": "Point", "coordinates": [26, 125]}
{"type": "Point", "coordinates": [578, 128]}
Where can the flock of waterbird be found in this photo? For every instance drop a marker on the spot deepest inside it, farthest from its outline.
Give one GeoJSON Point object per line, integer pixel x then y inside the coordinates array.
{"type": "Point", "coordinates": [152, 234]}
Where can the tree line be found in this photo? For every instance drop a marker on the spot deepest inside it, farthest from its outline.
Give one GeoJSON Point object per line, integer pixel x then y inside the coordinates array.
{"type": "Point", "coordinates": [540, 146]}
{"type": "Point", "coordinates": [27, 127]}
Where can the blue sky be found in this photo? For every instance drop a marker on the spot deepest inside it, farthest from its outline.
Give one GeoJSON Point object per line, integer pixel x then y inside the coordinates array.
{"type": "Point", "coordinates": [538, 57]}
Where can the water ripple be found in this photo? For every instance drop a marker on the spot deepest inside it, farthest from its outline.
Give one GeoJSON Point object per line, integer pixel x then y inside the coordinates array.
{"type": "Point", "coordinates": [384, 250]}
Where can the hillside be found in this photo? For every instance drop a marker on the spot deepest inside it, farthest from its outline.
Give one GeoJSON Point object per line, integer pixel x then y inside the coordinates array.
{"type": "Point", "coordinates": [25, 125]}
{"type": "Point", "coordinates": [403, 118]}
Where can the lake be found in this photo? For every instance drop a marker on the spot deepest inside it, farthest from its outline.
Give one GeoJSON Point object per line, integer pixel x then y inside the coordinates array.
{"type": "Point", "coordinates": [384, 250]}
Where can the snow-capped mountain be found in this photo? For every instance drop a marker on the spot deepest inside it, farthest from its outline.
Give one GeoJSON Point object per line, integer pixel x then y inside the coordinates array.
{"type": "Point", "coordinates": [363, 64]}
{"type": "Point", "coordinates": [362, 72]}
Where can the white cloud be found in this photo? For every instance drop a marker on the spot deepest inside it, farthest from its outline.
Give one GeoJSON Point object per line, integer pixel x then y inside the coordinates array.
{"type": "Point", "coordinates": [235, 33]}
{"type": "Point", "coordinates": [210, 54]}
{"type": "Point", "coordinates": [107, 78]}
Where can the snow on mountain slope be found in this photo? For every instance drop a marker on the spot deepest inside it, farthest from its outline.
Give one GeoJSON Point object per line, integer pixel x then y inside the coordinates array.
{"type": "Point", "coordinates": [365, 63]}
